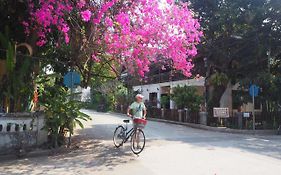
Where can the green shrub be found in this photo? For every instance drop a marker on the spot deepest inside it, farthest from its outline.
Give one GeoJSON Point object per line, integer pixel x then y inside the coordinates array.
{"type": "Point", "coordinates": [62, 113]}
{"type": "Point", "coordinates": [165, 100]}
{"type": "Point", "coordinates": [187, 97]}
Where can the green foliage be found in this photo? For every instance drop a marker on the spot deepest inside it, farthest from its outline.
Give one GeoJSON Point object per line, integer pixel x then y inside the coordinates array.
{"type": "Point", "coordinates": [101, 101]}
{"type": "Point", "coordinates": [164, 101]}
{"type": "Point", "coordinates": [16, 86]}
{"type": "Point", "coordinates": [124, 96]}
{"type": "Point", "coordinates": [63, 113]}
{"type": "Point", "coordinates": [12, 13]}
{"type": "Point", "coordinates": [10, 56]}
{"type": "Point", "coordinates": [219, 79]}
{"type": "Point", "coordinates": [240, 97]}
{"type": "Point", "coordinates": [107, 94]}
{"type": "Point", "coordinates": [187, 97]}
{"type": "Point", "coordinates": [270, 89]}
{"type": "Point", "coordinates": [241, 37]}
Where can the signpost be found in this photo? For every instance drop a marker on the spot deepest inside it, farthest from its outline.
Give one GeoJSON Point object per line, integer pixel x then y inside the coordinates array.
{"type": "Point", "coordinates": [254, 91]}
{"type": "Point", "coordinates": [71, 79]}
{"type": "Point", "coordinates": [221, 113]}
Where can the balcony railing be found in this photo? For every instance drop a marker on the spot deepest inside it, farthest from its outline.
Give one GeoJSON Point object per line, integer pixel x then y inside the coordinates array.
{"type": "Point", "coordinates": [158, 78]}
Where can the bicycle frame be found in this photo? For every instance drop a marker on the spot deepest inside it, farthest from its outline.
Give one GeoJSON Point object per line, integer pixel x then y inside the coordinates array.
{"type": "Point", "coordinates": [128, 134]}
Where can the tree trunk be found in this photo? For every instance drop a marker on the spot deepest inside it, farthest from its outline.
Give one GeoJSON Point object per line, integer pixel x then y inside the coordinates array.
{"type": "Point", "coordinates": [215, 98]}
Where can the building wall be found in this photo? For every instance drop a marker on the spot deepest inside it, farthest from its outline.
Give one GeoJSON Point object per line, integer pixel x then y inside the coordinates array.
{"type": "Point", "coordinates": [226, 100]}
{"type": "Point", "coordinates": [161, 88]}
{"type": "Point", "coordinates": [29, 131]}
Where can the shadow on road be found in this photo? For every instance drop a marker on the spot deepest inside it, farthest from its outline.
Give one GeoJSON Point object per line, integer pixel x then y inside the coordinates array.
{"type": "Point", "coordinates": [87, 152]}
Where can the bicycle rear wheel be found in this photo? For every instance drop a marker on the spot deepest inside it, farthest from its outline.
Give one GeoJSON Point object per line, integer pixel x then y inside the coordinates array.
{"type": "Point", "coordinates": [119, 136]}
{"type": "Point", "coordinates": [137, 141]}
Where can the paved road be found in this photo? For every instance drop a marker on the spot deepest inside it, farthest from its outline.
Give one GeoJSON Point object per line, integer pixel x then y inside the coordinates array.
{"type": "Point", "coordinates": [171, 150]}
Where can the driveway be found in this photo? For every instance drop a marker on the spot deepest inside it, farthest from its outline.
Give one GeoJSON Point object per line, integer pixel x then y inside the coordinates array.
{"type": "Point", "coordinates": [170, 150]}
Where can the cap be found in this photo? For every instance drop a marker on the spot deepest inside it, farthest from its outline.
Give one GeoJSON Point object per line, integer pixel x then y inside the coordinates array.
{"type": "Point", "coordinates": [139, 96]}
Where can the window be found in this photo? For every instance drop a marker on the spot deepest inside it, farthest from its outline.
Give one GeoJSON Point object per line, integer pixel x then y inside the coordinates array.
{"type": "Point", "coordinates": [153, 99]}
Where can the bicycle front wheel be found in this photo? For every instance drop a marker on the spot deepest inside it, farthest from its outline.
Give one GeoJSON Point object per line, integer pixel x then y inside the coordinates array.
{"type": "Point", "coordinates": [137, 141]}
{"type": "Point", "coordinates": [119, 135]}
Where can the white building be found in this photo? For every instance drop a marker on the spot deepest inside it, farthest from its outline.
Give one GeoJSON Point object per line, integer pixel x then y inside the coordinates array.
{"type": "Point", "coordinates": [153, 92]}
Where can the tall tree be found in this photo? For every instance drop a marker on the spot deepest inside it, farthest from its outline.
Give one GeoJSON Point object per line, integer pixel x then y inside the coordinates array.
{"type": "Point", "coordinates": [240, 39]}
{"type": "Point", "coordinates": [121, 34]}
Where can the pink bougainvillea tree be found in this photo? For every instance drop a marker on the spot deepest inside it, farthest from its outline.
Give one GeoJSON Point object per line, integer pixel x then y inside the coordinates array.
{"type": "Point", "coordinates": [131, 34]}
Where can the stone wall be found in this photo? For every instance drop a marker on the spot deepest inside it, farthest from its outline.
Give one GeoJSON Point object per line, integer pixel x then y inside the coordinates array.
{"type": "Point", "coordinates": [21, 129]}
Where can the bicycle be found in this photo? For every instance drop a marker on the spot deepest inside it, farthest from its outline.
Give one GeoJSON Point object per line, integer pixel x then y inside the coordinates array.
{"type": "Point", "coordinates": [136, 134]}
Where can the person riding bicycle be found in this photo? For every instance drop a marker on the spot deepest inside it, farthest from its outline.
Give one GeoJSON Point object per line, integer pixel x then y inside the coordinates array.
{"type": "Point", "coordinates": [139, 112]}
{"type": "Point", "coordinates": [138, 108]}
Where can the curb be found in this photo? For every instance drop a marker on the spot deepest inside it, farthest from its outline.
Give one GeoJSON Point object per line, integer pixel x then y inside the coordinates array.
{"type": "Point", "coordinates": [210, 128]}
{"type": "Point", "coordinates": [218, 129]}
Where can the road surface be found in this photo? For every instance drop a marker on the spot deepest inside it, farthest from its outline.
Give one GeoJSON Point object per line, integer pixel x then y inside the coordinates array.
{"type": "Point", "coordinates": [170, 150]}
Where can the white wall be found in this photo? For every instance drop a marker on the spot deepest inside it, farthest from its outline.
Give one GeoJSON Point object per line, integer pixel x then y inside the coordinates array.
{"type": "Point", "coordinates": [146, 89]}
{"type": "Point", "coordinates": [9, 139]}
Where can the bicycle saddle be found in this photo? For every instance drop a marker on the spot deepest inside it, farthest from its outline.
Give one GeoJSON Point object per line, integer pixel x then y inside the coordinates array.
{"type": "Point", "coordinates": [126, 121]}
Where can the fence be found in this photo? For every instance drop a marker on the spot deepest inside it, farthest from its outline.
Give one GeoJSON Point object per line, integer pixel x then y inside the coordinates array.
{"type": "Point", "coordinates": [167, 114]}
{"type": "Point", "coordinates": [16, 128]}
{"type": "Point", "coordinates": [174, 115]}
{"type": "Point", "coordinates": [264, 120]}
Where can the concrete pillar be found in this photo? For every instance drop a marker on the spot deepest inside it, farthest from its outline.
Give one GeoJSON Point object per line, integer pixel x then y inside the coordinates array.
{"type": "Point", "coordinates": [162, 113]}
{"type": "Point", "coordinates": [239, 116]}
{"type": "Point", "coordinates": [187, 116]}
{"type": "Point", "coordinates": [180, 111]}
{"type": "Point", "coordinates": [203, 118]}
{"type": "Point", "coordinates": [42, 135]}
{"type": "Point", "coordinates": [159, 98]}
{"type": "Point", "coordinates": [121, 108]}
{"type": "Point", "coordinates": [172, 104]}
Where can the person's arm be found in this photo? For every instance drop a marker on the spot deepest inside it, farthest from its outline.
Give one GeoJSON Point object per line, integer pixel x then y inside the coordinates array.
{"type": "Point", "coordinates": [128, 112]}
{"type": "Point", "coordinates": [144, 112]}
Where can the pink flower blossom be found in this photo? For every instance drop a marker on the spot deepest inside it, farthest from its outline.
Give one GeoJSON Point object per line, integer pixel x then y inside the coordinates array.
{"type": "Point", "coordinates": [86, 15]}
{"type": "Point", "coordinates": [41, 42]}
{"type": "Point", "coordinates": [81, 4]}
{"type": "Point", "coordinates": [108, 22]}
{"type": "Point", "coordinates": [65, 28]}
{"type": "Point", "coordinates": [96, 59]}
{"type": "Point", "coordinates": [66, 38]}
{"type": "Point", "coordinates": [134, 36]}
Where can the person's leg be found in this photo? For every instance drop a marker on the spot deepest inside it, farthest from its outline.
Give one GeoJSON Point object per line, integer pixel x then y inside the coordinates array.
{"type": "Point", "coordinates": [137, 137]}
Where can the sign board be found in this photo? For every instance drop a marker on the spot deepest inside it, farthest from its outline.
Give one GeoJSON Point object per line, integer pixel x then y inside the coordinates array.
{"type": "Point", "coordinates": [254, 90]}
{"type": "Point", "coordinates": [246, 114]}
{"type": "Point", "coordinates": [221, 112]}
{"type": "Point", "coordinates": [71, 79]}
